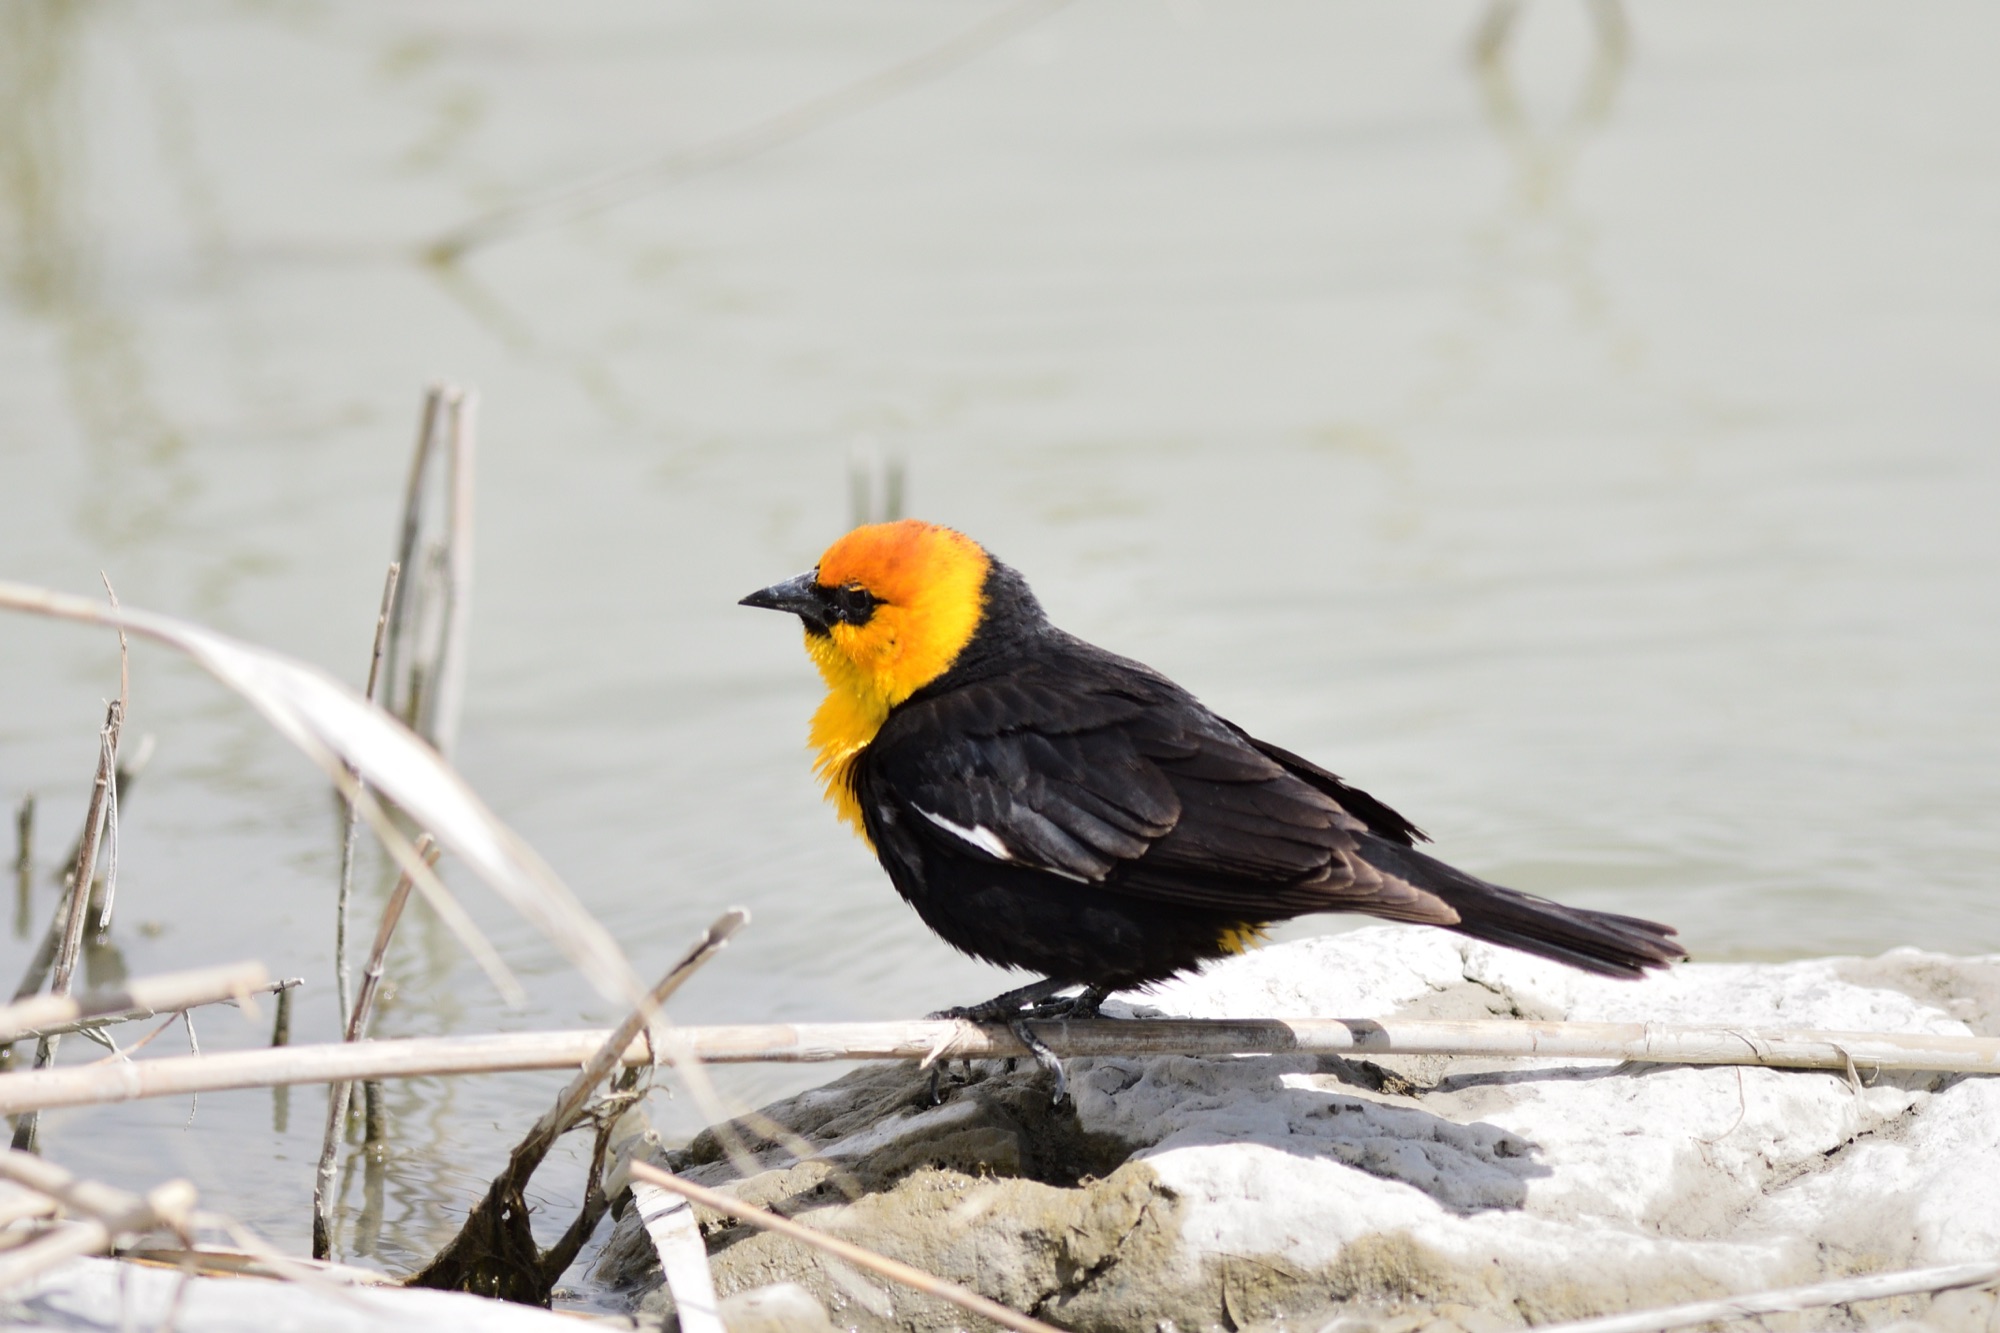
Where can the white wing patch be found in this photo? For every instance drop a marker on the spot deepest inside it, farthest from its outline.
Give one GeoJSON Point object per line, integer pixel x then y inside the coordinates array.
{"type": "Point", "coordinates": [985, 839]}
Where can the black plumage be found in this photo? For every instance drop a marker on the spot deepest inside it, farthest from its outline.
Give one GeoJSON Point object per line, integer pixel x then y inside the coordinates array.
{"type": "Point", "coordinates": [1044, 804]}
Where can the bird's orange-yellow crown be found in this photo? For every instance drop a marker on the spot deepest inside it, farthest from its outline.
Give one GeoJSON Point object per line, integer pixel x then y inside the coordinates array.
{"type": "Point", "coordinates": [926, 581]}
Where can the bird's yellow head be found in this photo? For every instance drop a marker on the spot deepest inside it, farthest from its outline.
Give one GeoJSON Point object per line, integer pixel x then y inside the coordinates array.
{"type": "Point", "coordinates": [887, 610]}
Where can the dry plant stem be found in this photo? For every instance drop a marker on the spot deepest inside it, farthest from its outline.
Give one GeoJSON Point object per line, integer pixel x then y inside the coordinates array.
{"type": "Point", "coordinates": [246, 999]}
{"type": "Point", "coordinates": [1790, 1300]}
{"type": "Point", "coordinates": [340, 1095]}
{"type": "Point", "coordinates": [333, 725]}
{"type": "Point", "coordinates": [24, 864]}
{"type": "Point", "coordinates": [103, 926]}
{"type": "Point", "coordinates": [130, 768]}
{"type": "Point", "coordinates": [892, 1269]}
{"type": "Point", "coordinates": [494, 1252]}
{"type": "Point", "coordinates": [102, 794]}
{"type": "Point", "coordinates": [107, 1212]}
{"type": "Point", "coordinates": [448, 672]}
{"type": "Point", "coordinates": [349, 834]}
{"type": "Point", "coordinates": [103, 799]}
{"type": "Point", "coordinates": [169, 992]}
{"type": "Point", "coordinates": [24, 835]}
{"type": "Point", "coordinates": [777, 1043]}
{"type": "Point", "coordinates": [610, 1055]}
{"type": "Point", "coordinates": [397, 699]}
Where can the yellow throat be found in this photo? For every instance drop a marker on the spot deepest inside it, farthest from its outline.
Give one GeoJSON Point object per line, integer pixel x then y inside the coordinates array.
{"type": "Point", "coordinates": [927, 583]}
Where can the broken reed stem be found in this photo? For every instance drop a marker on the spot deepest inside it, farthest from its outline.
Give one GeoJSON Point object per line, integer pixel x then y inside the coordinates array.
{"type": "Point", "coordinates": [107, 1214]}
{"type": "Point", "coordinates": [24, 864]}
{"type": "Point", "coordinates": [24, 836]}
{"type": "Point", "coordinates": [930, 1040]}
{"type": "Point", "coordinates": [350, 834]}
{"type": "Point", "coordinates": [1788, 1300]}
{"type": "Point", "coordinates": [129, 770]}
{"type": "Point", "coordinates": [494, 1252]}
{"type": "Point", "coordinates": [399, 699]}
{"type": "Point", "coordinates": [103, 795]}
{"type": "Point", "coordinates": [609, 1055]}
{"type": "Point", "coordinates": [447, 674]}
{"type": "Point", "coordinates": [894, 1270]}
{"type": "Point", "coordinates": [103, 800]}
{"type": "Point", "coordinates": [340, 1095]}
{"type": "Point", "coordinates": [104, 906]}
{"type": "Point", "coordinates": [47, 1015]}
{"type": "Point", "coordinates": [140, 1015]}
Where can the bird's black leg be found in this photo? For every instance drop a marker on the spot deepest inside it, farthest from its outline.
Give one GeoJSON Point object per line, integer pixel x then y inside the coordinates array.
{"type": "Point", "coordinates": [1085, 1005]}
{"type": "Point", "coordinates": [1005, 1006]}
{"type": "Point", "coordinates": [1040, 1001]}
{"type": "Point", "coordinates": [1044, 1057]}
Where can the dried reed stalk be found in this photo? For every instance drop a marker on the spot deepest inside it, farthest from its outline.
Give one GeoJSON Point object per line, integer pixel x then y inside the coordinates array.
{"type": "Point", "coordinates": [494, 1253]}
{"type": "Point", "coordinates": [168, 993]}
{"type": "Point", "coordinates": [350, 834]}
{"type": "Point", "coordinates": [447, 694]}
{"type": "Point", "coordinates": [105, 1214]}
{"type": "Point", "coordinates": [76, 907]}
{"type": "Point", "coordinates": [1791, 1300]}
{"type": "Point", "coordinates": [399, 699]}
{"type": "Point", "coordinates": [334, 726]}
{"type": "Point", "coordinates": [340, 1095]}
{"type": "Point", "coordinates": [894, 1270]}
{"type": "Point", "coordinates": [780, 1043]}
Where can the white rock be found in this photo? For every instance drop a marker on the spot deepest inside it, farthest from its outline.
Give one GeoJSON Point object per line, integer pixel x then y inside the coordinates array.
{"type": "Point", "coordinates": [1739, 1178]}
{"type": "Point", "coordinates": [1408, 1193]}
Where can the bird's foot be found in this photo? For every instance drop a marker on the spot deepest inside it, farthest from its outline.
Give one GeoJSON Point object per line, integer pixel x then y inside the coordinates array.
{"type": "Point", "coordinates": [1044, 1057]}
{"type": "Point", "coordinates": [1081, 1006]}
{"type": "Point", "coordinates": [1043, 1000]}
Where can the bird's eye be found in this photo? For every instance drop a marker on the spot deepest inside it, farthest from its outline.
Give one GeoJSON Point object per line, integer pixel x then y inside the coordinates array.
{"type": "Point", "coordinates": [855, 604]}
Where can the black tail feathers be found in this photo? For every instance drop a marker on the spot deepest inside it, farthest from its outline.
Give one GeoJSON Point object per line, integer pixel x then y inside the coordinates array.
{"type": "Point", "coordinates": [1602, 942]}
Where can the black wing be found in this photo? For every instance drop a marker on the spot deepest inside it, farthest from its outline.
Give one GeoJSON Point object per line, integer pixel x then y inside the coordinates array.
{"type": "Point", "coordinates": [1098, 770]}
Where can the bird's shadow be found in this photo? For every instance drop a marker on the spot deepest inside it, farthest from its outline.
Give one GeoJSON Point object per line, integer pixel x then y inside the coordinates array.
{"type": "Point", "coordinates": [1323, 1108]}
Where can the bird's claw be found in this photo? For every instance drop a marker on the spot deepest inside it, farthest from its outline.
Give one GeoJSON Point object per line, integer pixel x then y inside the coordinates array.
{"type": "Point", "coordinates": [1044, 1057]}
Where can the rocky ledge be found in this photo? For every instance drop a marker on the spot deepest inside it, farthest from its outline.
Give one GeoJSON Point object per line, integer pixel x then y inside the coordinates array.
{"type": "Point", "coordinates": [1398, 1194]}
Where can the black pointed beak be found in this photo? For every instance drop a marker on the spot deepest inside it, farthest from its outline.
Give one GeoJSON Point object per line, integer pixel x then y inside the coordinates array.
{"type": "Point", "coordinates": [802, 596]}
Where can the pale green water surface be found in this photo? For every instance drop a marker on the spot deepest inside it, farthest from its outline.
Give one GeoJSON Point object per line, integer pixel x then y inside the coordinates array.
{"type": "Point", "coordinates": [1597, 457]}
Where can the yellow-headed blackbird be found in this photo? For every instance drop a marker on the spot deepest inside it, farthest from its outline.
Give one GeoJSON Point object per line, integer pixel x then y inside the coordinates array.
{"type": "Point", "coordinates": [1046, 805]}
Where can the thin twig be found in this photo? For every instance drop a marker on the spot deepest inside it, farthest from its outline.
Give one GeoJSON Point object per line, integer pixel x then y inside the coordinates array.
{"type": "Point", "coordinates": [103, 926]}
{"type": "Point", "coordinates": [45, 1015]}
{"type": "Point", "coordinates": [349, 835]}
{"type": "Point", "coordinates": [493, 1250]}
{"type": "Point", "coordinates": [610, 1054]}
{"type": "Point", "coordinates": [568, 203]}
{"type": "Point", "coordinates": [24, 864]}
{"type": "Point", "coordinates": [895, 1270]}
{"type": "Point", "coordinates": [102, 792]}
{"type": "Point", "coordinates": [107, 1212]}
{"type": "Point", "coordinates": [333, 725]}
{"type": "Point", "coordinates": [447, 673]}
{"type": "Point", "coordinates": [780, 1043]}
{"type": "Point", "coordinates": [340, 1095]}
{"type": "Point", "coordinates": [397, 699]}
{"type": "Point", "coordinates": [1789, 1300]}
{"type": "Point", "coordinates": [94, 1027]}
{"type": "Point", "coordinates": [24, 834]}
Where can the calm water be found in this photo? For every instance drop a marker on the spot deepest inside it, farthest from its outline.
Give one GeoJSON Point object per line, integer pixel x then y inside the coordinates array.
{"type": "Point", "coordinates": [1596, 455]}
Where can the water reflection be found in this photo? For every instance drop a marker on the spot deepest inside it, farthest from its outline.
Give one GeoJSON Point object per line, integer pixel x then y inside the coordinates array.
{"type": "Point", "coordinates": [1538, 238]}
{"type": "Point", "coordinates": [1143, 316]}
{"type": "Point", "coordinates": [55, 270]}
